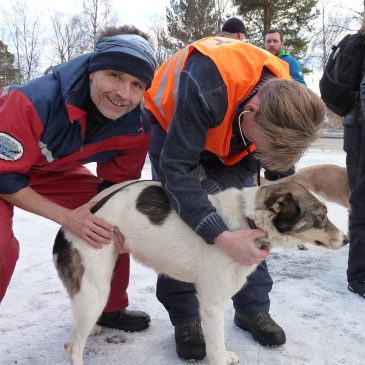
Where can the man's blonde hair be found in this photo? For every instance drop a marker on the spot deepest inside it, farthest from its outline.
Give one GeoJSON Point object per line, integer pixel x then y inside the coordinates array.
{"type": "Point", "coordinates": [290, 118]}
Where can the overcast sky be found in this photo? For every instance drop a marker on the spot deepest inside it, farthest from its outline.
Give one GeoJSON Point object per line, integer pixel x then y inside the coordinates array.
{"type": "Point", "coordinates": [136, 12]}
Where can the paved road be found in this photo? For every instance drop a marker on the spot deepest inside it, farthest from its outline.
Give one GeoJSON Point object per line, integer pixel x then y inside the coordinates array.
{"type": "Point", "coordinates": [333, 144]}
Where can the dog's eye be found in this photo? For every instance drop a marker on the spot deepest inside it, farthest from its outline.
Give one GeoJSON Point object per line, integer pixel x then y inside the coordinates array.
{"type": "Point", "coordinates": [319, 243]}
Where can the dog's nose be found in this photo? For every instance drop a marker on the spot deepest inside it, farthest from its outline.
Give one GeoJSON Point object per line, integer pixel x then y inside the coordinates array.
{"type": "Point", "coordinates": [345, 241]}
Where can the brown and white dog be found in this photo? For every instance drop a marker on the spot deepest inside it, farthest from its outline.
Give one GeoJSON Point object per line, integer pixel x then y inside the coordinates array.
{"type": "Point", "coordinates": [157, 237]}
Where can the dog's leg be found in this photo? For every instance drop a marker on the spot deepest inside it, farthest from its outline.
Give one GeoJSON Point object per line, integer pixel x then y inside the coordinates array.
{"type": "Point", "coordinates": [213, 303]}
{"type": "Point", "coordinates": [87, 306]}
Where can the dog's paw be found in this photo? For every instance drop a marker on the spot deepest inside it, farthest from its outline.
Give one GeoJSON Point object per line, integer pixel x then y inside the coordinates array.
{"type": "Point", "coordinates": [262, 243]}
{"type": "Point", "coordinates": [232, 358]}
{"type": "Point", "coordinates": [96, 330]}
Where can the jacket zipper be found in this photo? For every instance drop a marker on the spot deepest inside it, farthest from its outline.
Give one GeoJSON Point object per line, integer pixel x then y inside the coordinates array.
{"type": "Point", "coordinates": [82, 137]}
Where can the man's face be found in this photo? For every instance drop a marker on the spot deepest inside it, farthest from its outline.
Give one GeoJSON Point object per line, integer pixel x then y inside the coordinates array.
{"type": "Point", "coordinates": [273, 43]}
{"type": "Point", "coordinates": [115, 93]}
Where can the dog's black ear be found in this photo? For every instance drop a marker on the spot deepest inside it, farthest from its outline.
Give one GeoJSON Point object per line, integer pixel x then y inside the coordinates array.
{"type": "Point", "coordinates": [280, 202]}
{"type": "Point", "coordinates": [286, 208]}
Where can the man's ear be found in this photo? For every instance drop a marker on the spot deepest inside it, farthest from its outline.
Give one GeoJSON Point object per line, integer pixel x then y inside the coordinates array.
{"type": "Point", "coordinates": [253, 105]}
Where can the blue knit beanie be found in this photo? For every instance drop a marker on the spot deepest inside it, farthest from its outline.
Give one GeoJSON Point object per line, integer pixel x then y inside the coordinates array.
{"type": "Point", "coordinates": [129, 53]}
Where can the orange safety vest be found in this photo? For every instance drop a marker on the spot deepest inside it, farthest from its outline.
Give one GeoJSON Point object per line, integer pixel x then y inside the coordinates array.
{"type": "Point", "coordinates": [240, 65]}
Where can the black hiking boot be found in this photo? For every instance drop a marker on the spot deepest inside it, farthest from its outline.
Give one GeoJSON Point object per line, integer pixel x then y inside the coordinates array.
{"type": "Point", "coordinates": [125, 320]}
{"type": "Point", "coordinates": [190, 343]}
{"type": "Point", "coordinates": [262, 327]}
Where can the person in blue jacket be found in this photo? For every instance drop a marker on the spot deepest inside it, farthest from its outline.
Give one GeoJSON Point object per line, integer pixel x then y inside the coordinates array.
{"type": "Point", "coordinates": [274, 40]}
{"type": "Point", "coordinates": [85, 110]}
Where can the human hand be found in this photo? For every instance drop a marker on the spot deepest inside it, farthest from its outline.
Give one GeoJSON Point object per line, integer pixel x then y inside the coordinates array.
{"type": "Point", "coordinates": [91, 228]}
{"type": "Point", "coordinates": [119, 241]}
{"type": "Point", "coordinates": [242, 245]}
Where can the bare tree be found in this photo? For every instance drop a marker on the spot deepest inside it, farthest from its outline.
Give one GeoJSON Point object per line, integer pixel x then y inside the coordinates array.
{"type": "Point", "coordinates": [157, 26]}
{"type": "Point", "coordinates": [95, 15]}
{"type": "Point", "coordinates": [355, 16]}
{"type": "Point", "coordinates": [333, 23]}
{"type": "Point", "coordinates": [24, 32]}
{"type": "Point", "coordinates": [221, 10]}
{"type": "Point", "coordinates": [67, 38]}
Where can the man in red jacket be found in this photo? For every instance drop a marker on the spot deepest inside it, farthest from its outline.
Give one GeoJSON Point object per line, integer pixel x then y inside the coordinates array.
{"type": "Point", "coordinates": [86, 110]}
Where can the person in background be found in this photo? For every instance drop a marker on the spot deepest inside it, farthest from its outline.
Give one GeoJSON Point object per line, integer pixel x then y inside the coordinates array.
{"type": "Point", "coordinates": [233, 28]}
{"type": "Point", "coordinates": [86, 110]}
{"type": "Point", "coordinates": [205, 132]}
{"type": "Point", "coordinates": [274, 40]}
{"type": "Point", "coordinates": [354, 146]}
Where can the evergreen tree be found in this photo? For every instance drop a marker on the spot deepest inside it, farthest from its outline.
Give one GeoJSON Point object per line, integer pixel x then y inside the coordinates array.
{"type": "Point", "coordinates": [8, 73]}
{"type": "Point", "coordinates": [188, 21]}
{"type": "Point", "coordinates": [293, 17]}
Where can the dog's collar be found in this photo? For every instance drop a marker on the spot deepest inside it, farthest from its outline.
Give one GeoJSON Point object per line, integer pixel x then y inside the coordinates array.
{"type": "Point", "coordinates": [102, 201]}
{"type": "Point", "coordinates": [251, 223]}
{"type": "Point", "coordinates": [261, 242]}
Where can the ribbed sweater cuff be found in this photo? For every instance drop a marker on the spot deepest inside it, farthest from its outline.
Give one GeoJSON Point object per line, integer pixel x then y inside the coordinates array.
{"type": "Point", "coordinates": [210, 186]}
{"type": "Point", "coordinates": [211, 227]}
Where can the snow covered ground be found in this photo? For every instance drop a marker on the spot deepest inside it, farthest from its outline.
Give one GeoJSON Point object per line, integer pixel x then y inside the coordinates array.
{"type": "Point", "coordinates": [324, 322]}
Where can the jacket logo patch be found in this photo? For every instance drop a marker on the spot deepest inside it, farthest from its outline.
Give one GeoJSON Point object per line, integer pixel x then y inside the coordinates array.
{"type": "Point", "coordinates": [10, 148]}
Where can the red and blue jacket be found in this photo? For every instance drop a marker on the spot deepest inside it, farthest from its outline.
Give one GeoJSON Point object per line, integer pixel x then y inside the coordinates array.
{"type": "Point", "coordinates": [43, 130]}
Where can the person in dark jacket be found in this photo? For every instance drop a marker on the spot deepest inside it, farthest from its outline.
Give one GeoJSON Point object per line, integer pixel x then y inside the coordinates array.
{"type": "Point", "coordinates": [86, 110]}
{"type": "Point", "coordinates": [354, 146]}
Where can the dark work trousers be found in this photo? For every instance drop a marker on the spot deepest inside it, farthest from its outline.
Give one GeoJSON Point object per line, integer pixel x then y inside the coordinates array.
{"type": "Point", "coordinates": [179, 298]}
{"type": "Point", "coordinates": [354, 146]}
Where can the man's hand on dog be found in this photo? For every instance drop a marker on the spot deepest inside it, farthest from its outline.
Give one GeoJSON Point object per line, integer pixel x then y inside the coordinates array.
{"type": "Point", "coordinates": [92, 229]}
{"type": "Point", "coordinates": [241, 245]}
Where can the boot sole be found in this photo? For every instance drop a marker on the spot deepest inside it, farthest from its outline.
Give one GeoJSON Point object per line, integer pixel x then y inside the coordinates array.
{"type": "Point", "coordinates": [191, 356]}
{"type": "Point", "coordinates": [134, 328]}
{"type": "Point", "coordinates": [256, 338]}
{"type": "Point", "coordinates": [355, 292]}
